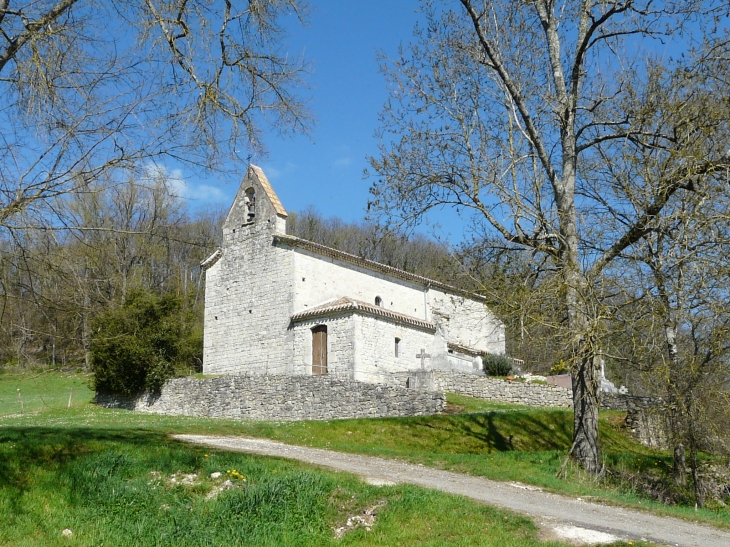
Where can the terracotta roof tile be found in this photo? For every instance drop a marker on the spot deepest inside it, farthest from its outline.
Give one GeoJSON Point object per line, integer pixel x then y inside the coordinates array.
{"type": "Point", "coordinates": [346, 304]}
{"type": "Point", "coordinates": [278, 207]}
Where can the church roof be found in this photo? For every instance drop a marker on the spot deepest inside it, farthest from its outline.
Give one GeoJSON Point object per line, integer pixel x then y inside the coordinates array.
{"type": "Point", "coordinates": [346, 304]}
{"type": "Point", "coordinates": [212, 259]}
{"type": "Point", "coordinates": [323, 250]}
{"type": "Point", "coordinates": [269, 191]}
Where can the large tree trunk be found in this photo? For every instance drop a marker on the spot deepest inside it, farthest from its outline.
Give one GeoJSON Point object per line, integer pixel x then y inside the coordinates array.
{"type": "Point", "coordinates": [677, 418]}
{"type": "Point", "coordinates": [586, 387]}
{"type": "Point", "coordinates": [585, 367]}
{"type": "Point", "coordinates": [675, 398]}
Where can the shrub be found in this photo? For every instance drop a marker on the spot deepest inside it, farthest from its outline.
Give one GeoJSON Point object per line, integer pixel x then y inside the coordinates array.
{"type": "Point", "coordinates": [560, 367]}
{"type": "Point", "coordinates": [149, 339]}
{"type": "Point", "coordinates": [497, 365]}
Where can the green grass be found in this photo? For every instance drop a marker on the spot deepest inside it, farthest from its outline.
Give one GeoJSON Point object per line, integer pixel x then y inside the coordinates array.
{"type": "Point", "coordinates": [22, 391]}
{"type": "Point", "coordinates": [112, 486]}
{"type": "Point", "coordinates": [499, 441]}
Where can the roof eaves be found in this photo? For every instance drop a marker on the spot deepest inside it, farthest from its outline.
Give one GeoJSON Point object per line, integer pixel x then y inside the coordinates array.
{"type": "Point", "coordinates": [371, 264]}
{"type": "Point", "coordinates": [212, 259]}
{"type": "Point", "coordinates": [465, 349]}
{"type": "Point", "coordinates": [347, 305]}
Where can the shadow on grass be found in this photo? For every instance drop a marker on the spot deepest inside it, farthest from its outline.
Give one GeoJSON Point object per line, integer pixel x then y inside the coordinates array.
{"type": "Point", "coordinates": [489, 432]}
{"type": "Point", "coordinates": [523, 432]}
{"type": "Point", "coordinates": [27, 451]}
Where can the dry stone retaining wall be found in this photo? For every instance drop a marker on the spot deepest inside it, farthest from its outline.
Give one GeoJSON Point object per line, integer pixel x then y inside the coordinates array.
{"type": "Point", "coordinates": [413, 393]}
{"type": "Point", "coordinates": [281, 398]}
{"type": "Point", "coordinates": [483, 387]}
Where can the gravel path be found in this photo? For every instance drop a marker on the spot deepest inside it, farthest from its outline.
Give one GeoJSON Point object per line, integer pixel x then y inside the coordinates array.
{"type": "Point", "coordinates": [566, 517]}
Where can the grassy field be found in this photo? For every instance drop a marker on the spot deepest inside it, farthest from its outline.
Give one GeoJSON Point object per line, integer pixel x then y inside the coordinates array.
{"type": "Point", "coordinates": [107, 474]}
{"type": "Point", "coordinates": [126, 486]}
{"type": "Point", "coordinates": [22, 391]}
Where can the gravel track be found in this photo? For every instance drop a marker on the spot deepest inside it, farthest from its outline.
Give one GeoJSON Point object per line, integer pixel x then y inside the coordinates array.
{"type": "Point", "coordinates": [552, 511]}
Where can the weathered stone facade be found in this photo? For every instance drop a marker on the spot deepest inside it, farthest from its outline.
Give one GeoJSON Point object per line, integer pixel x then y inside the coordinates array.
{"type": "Point", "coordinates": [491, 389]}
{"type": "Point", "coordinates": [280, 398]}
{"type": "Point", "coordinates": [266, 292]}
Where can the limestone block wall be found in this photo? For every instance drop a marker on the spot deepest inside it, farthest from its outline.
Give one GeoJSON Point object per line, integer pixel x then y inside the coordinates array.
{"type": "Point", "coordinates": [248, 304]}
{"type": "Point", "coordinates": [467, 322]}
{"type": "Point", "coordinates": [464, 363]}
{"type": "Point", "coordinates": [281, 398]}
{"type": "Point", "coordinates": [487, 388]}
{"type": "Point", "coordinates": [341, 347]}
{"type": "Point", "coordinates": [648, 422]}
{"type": "Point", "coordinates": [646, 417]}
{"type": "Point", "coordinates": [376, 351]}
{"type": "Point", "coordinates": [320, 278]}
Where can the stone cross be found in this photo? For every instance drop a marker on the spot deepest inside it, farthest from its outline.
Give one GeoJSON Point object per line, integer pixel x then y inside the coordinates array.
{"type": "Point", "coordinates": [423, 356]}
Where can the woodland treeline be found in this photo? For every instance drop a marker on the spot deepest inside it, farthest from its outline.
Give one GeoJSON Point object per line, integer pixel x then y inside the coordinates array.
{"type": "Point", "coordinates": [138, 235]}
{"type": "Point", "coordinates": [113, 240]}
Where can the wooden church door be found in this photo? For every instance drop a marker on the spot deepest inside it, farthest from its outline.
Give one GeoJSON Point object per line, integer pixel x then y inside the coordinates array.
{"type": "Point", "coordinates": [319, 350]}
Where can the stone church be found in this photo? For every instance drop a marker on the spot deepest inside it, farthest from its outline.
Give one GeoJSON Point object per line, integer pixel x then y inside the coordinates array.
{"type": "Point", "coordinates": [278, 304]}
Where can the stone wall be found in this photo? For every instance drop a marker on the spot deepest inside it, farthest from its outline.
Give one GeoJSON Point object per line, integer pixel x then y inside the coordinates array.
{"type": "Point", "coordinates": [321, 278]}
{"type": "Point", "coordinates": [248, 304]}
{"type": "Point", "coordinates": [468, 322]}
{"type": "Point", "coordinates": [281, 398]}
{"type": "Point", "coordinates": [649, 425]}
{"type": "Point", "coordinates": [617, 401]}
{"type": "Point", "coordinates": [340, 346]}
{"type": "Point", "coordinates": [487, 388]}
{"type": "Point", "coordinates": [376, 339]}
{"type": "Point", "coordinates": [646, 418]}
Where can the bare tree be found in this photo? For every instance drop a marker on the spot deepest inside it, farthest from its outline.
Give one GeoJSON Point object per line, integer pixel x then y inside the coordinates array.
{"type": "Point", "coordinates": [90, 86]}
{"type": "Point", "coordinates": [672, 280]}
{"type": "Point", "coordinates": [130, 236]}
{"type": "Point", "coordinates": [673, 325]}
{"type": "Point", "coordinates": [503, 109]}
{"type": "Point", "coordinates": [96, 94]}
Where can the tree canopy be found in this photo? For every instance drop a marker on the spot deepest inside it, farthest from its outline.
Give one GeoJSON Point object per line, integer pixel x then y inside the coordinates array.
{"type": "Point", "coordinates": [90, 86]}
{"type": "Point", "coordinates": [526, 113]}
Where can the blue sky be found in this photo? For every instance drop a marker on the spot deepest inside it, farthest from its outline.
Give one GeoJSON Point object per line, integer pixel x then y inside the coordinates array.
{"type": "Point", "coordinates": [325, 168]}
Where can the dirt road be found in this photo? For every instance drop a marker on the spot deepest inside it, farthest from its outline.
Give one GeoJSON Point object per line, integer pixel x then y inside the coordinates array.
{"type": "Point", "coordinates": [567, 517]}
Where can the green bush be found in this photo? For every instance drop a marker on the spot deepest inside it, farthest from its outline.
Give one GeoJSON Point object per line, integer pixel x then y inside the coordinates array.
{"type": "Point", "coordinates": [150, 338]}
{"type": "Point", "coordinates": [497, 365]}
{"type": "Point", "coordinates": [560, 367]}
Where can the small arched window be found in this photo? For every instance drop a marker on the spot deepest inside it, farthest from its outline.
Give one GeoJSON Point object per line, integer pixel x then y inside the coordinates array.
{"type": "Point", "coordinates": [397, 346]}
{"type": "Point", "coordinates": [378, 301]}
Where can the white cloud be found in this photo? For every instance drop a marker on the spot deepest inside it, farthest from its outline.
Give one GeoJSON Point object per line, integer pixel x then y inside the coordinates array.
{"type": "Point", "coordinates": [272, 172]}
{"type": "Point", "coordinates": [342, 162]}
{"type": "Point", "coordinates": [184, 189]}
